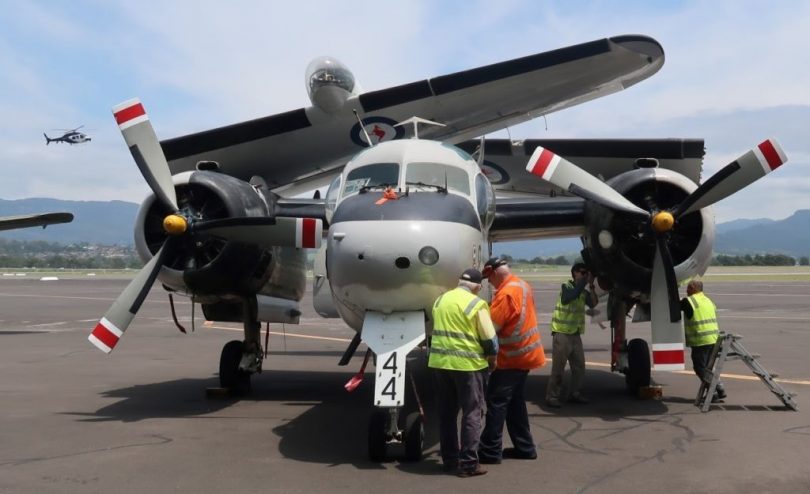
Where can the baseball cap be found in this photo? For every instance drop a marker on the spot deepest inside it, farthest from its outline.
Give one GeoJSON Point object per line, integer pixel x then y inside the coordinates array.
{"type": "Point", "coordinates": [472, 275]}
{"type": "Point", "coordinates": [492, 264]}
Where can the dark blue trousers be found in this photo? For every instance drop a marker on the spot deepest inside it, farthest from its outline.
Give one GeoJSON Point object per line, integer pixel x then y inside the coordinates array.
{"type": "Point", "coordinates": [506, 403]}
{"type": "Point", "coordinates": [464, 391]}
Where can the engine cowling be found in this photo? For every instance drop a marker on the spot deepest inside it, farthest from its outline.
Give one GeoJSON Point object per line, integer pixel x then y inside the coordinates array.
{"type": "Point", "coordinates": [621, 249]}
{"type": "Point", "coordinates": [211, 268]}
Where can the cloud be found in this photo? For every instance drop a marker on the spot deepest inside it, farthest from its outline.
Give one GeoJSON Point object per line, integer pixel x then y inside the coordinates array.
{"type": "Point", "coordinates": [733, 75]}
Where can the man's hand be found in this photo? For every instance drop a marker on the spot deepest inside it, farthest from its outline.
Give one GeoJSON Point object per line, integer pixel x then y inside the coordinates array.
{"type": "Point", "coordinates": [492, 362]}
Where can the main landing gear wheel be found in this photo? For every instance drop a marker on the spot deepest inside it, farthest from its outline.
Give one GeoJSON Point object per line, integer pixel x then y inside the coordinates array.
{"type": "Point", "coordinates": [377, 434]}
{"type": "Point", "coordinates": [638, 365]}
{"type": "Point", "coordinates": [414, 437]}
{"type": "Point", "coordinates": [236, 381]}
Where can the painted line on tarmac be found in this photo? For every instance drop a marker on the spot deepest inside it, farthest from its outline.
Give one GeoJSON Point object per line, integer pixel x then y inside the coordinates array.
{"type": "Point", "coordinates": [52, 296]}
{"type": "Point", "coordinates": [592, 364]}
{"type": "Point", "coordinates": [294, 335]}
{"type": "Point", "coordinates": [725, 376]}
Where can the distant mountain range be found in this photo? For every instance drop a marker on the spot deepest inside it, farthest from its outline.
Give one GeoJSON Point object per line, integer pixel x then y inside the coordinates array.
{"type": "Point", "coordinates": [111, 223]}
{"type": "Point", "coordinates": [95, 222]}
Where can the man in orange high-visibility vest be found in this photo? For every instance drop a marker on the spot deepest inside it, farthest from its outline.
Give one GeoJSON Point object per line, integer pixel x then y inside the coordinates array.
{"type": "Point", "coordinates": [519, 350]}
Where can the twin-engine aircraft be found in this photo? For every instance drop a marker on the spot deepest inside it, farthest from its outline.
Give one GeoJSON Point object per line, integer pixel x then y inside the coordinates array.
{"type": "Point", "coordinates": [403, 216]}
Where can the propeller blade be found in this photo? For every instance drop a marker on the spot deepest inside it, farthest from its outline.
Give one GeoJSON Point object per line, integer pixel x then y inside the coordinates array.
{"type": "Point", "coordinates": [570, 177]}
{"type": "Point", "coordinates": [145, 148]}
{"type": "Point", "coordinates": [118, 317]}
{"type": "Point", "coordinates": [266, 231]}
{"type": "Point", "coordinates": [667, 331]}
{"type": "Point", "coordinates": [747, 169]}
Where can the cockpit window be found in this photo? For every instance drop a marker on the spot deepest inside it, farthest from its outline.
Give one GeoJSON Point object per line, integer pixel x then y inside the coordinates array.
{"type": "Point", "coordinates": [437, 175]}
{"type": "Point", "coordinates": [378, 174]}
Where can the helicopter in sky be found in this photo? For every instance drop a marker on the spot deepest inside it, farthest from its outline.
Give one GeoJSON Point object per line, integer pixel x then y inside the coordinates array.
{"type": "Point", "coordinates": [70, 136]}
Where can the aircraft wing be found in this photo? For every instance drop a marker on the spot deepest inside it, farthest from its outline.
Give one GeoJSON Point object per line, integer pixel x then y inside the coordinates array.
{"type": "Point", "coordinates": [307, 143]}
{"type": "Point", "coordinates": [529, 207]}
{"type": "Point", "coordinates": [29, 220]}
{"type": "Point", "coordinates": [505, 160]}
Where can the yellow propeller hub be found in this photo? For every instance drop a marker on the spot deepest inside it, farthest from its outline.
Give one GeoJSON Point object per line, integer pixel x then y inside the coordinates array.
{"type": "Point", "coordinates": [663, 221]}
{"type": "Point", "coordinates": [175, 224]}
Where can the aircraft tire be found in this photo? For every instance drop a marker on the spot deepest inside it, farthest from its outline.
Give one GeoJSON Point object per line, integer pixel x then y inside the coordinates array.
{"type": "Point", "coordinates": [638, 365]}
{"type": "Point", "coordinates": [234, 380]}
{"type": "Point", "coordinates": [414, 437]}
{"type": "Point", "coordinates": [377, 428]}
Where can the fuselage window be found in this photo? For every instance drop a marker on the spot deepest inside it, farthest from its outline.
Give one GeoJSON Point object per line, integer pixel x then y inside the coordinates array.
{"type": "Point", "coordinates": [436, 174]}
{"type": "Point", "coordinates": [485, 201]}
{"type": "Point", "coordinates": [376, 175]}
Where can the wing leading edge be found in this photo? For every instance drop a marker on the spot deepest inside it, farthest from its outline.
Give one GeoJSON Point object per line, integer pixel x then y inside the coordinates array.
{"type": "Point", "coordinates": [306, 143]}
{"type": "Point", "coordinates": [29, 220]}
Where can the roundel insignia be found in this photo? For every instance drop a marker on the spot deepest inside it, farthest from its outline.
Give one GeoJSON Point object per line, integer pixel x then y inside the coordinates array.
{"type": "Point", "coordinates": [494, 173]}
{"type": "Point", "coordinates": [379, 129]}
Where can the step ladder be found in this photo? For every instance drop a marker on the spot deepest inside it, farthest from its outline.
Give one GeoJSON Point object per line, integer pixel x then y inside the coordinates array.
{"type": "Point", "coordinates": [728, 347]}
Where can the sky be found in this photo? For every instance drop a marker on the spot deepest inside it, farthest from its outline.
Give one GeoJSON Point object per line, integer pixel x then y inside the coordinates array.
{"type": "Point", "coordinates": [736, 73]}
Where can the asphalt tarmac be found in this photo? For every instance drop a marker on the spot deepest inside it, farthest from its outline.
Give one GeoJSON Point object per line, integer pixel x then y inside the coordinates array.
{"type": "Point", "coordinates": [139, 421]}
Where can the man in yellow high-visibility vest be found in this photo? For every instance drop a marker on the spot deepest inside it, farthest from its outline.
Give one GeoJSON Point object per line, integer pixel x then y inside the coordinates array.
{"type": "Point", "coordinates": [702, 331]}
{"type": "Point", "coordinates": [567, 326]}
{"type": "Point", "coordinates": [463, 348]}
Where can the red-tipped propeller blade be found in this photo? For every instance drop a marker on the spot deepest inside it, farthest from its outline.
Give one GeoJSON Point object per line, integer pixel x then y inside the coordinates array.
{"type": "Point", "coordinates": [267, 231]}
{"type": "Point", "coordinates": [667, 331]}
{"type": "Point", "coordinates": [118, 317]}
{"type": "Point", "coordinates": [145, 148]}
{"type": "Point", "coordinates": [745, 170]}
{"type": "Point", "coordinates": [568, 176]}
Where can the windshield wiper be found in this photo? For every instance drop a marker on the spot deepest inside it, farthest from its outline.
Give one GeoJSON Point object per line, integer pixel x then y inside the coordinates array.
{"type": "Point", "coordinates": [439, 188]}
{"type": "Point", "coordinates": [367, 188]}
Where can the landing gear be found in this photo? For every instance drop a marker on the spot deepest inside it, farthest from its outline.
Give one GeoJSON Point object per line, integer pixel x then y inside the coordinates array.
{"type": "Point", "coordinates": [378, 434]}
{"type": "Point", "coordinates": [235, 380]}
{"type": "Point", "coordinates": [638, 365]}
{"type": "Point", "coordinates": [414, 437]}
{"type": "Point", "coordinates": [239, 360]}
{"type": "Point", "coordinates": [383, 431]}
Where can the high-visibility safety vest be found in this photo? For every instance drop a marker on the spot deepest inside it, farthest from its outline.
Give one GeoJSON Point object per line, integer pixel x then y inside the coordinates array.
{"type": "Point", "coordinates": [515, 319]}
{"type": "Point", "coordinates": [702, 328]}
{"type": "Point", "coordinates": [569, 318]}
{"type": "Point", "coordinates": [455, 344]}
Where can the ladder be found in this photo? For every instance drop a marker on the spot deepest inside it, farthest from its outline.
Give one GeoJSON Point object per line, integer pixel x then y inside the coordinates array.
{"type": "Point", "coordinates": [728, 347]}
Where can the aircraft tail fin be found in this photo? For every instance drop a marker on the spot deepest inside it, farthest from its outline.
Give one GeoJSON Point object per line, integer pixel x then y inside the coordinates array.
{"type": "Point", "coordinates": [47, 139]}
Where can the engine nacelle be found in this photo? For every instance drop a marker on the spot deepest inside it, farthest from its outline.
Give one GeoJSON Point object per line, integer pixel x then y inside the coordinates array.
{"type": "Point", "coordinates": [621, 249]}
{"type": "Point", "coordinates": [210, 268]}
{"type": "Point", "coordinates": [329, 84]}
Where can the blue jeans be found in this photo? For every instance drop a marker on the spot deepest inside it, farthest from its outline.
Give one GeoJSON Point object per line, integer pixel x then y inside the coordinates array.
{"type": "Point", "coordinates": [506, 403]}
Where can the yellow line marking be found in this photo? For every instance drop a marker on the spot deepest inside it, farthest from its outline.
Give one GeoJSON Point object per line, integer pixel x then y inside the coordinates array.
{"type": "Point", "coordinates": [294, 335]}
{"type": "Point", "coordinates": [725, 376]}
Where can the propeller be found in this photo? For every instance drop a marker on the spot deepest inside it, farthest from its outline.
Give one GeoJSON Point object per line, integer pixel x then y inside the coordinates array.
{"type": "Point", "coordinates": [665, 304]}
{"type": "Point", "coordinates": [148, 155]}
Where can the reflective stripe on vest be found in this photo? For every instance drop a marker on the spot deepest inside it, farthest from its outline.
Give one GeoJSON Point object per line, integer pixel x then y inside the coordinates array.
{"type": "Point", "coordinates": [702, 329]}
{"type": "Point", "coordinates": [519, 342]}
{"type": "Point", "coordinates": [569, 318]}
{"type": "Point", "coordinates": [455, 344]}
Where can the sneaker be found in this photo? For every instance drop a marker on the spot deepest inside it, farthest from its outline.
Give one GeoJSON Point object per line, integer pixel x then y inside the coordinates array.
{"type": "Point", "coordinates": [716, 397]}
{"type": "Point", "coordinates": [515, 454]}
{"type": "Point", "coordinates": [721, 393]}
{"type": "Point", "coordinates": [488, 460]}
{"type": "Point", "coordinates": [578, 398]}
{"type": "Point", "coordinates": [553, 403]}
{"type": "Point", "coordinates": [471, 473]}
